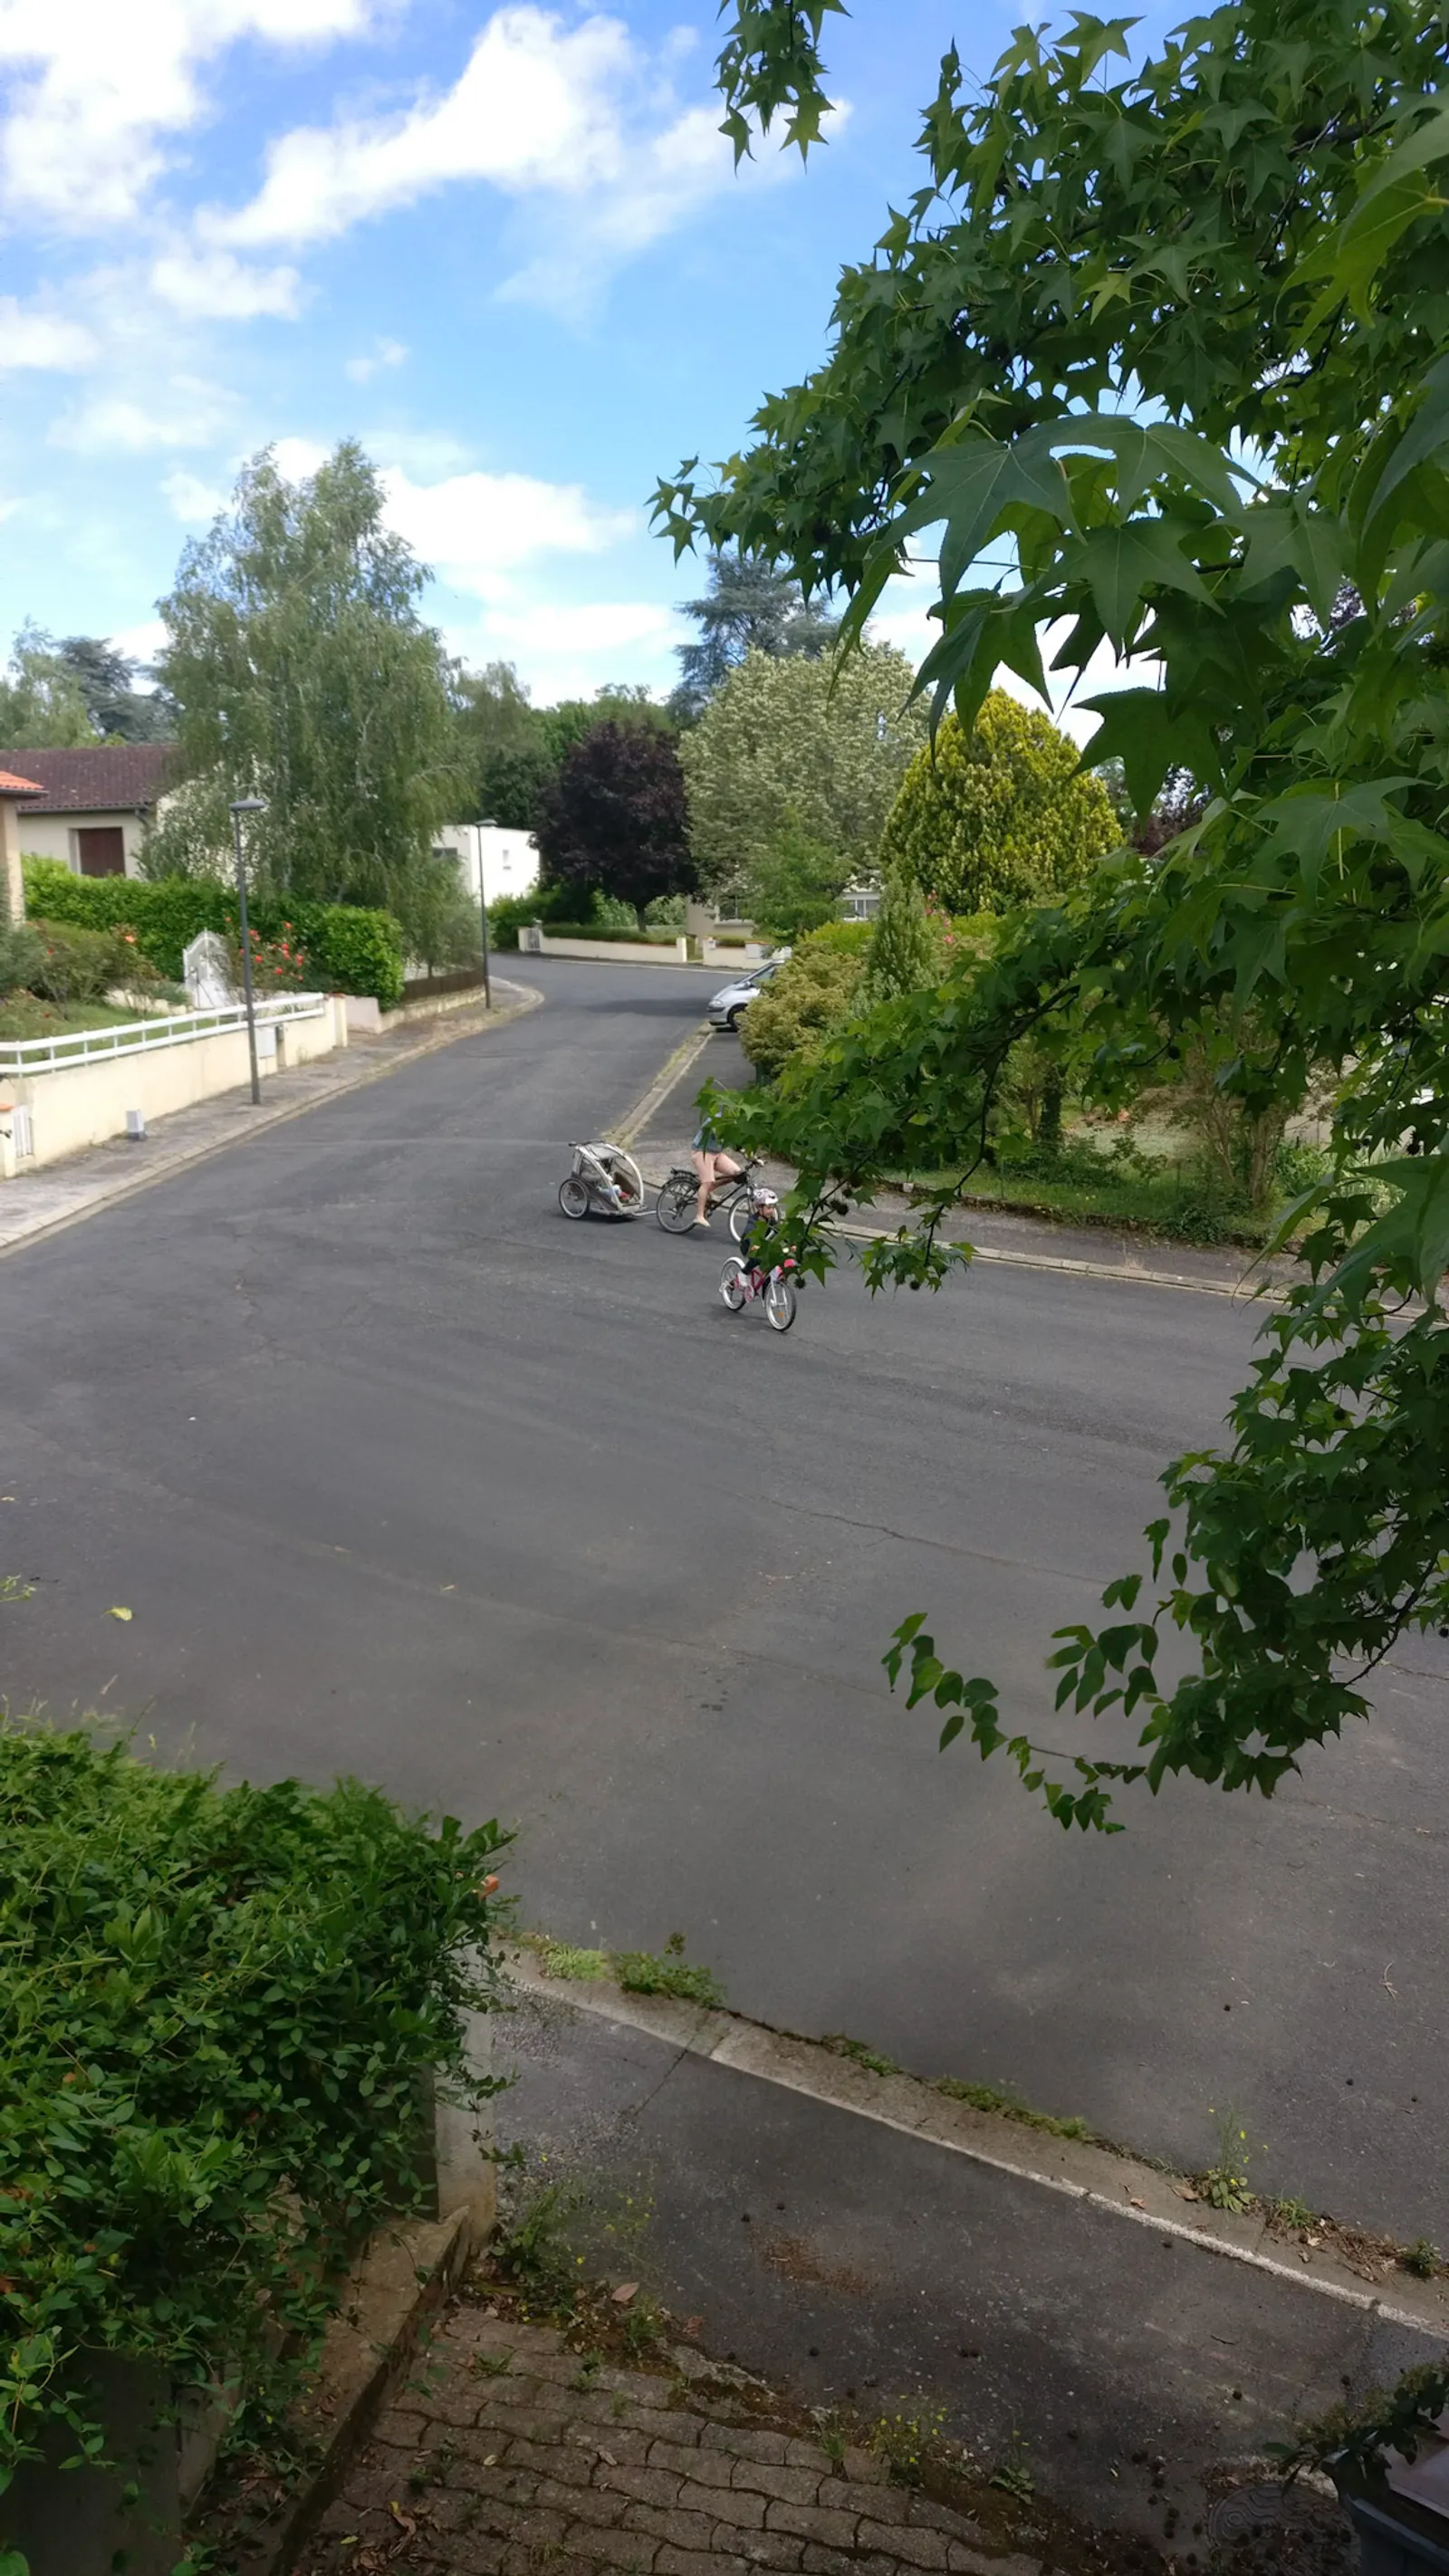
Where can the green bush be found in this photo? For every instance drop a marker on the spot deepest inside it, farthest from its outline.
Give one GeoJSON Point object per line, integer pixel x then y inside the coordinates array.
{"type": "Point", "coordinates": [547, 904]}
{"type": "Point", "coordinates": [999, 816]}
{"type": "Point", "coordinates": [74, 965]}
{"type": "Point", "coordinates": [608, 930]}
{"type": "Point", "coordinates": [811, 993]}
{"type": "Point", "coordinates": [216, 2004]}
{"type": "Point", "coordinates": [352, 948]}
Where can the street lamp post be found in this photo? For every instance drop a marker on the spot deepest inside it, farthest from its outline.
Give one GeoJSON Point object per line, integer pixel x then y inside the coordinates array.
{"type": "Point", "coordinates": [480, 829]}
{"type": "Point", "coordinates": [247, 805]}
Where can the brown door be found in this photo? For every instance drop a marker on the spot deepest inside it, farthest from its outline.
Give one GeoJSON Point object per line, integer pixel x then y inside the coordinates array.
{"type": "Point", "coordinates": [102, 851]}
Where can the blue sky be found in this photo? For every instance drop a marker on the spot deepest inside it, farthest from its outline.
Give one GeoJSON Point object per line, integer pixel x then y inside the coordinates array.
{"type": "Point", "coordinates": [504, 247]}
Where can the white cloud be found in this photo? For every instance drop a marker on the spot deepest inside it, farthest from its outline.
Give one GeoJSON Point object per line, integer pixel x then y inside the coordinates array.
{"type": "Point", "coordinates": [215, 285]}
{"type": "Point", "coordinates": [141, 643]}
{"type": "Point", "coordinates": [32, 339]}
{"type": "Point", "coordinates": [577, 114]}
{"type": "Point", "coordinates": [98, 86]}
{"type": "Point", "coordinates": [297, 458]}
{"type": "Point", "coordinates": [478, 530]}
{"type": "Point", "coordinates": [179, 411]}
{"type": "Point", "coordinates": [384, 353]}
{"type": "Point", "coordinates": [194, 502]}
{"type": "Point", "coordinates": [534, 107]}
{"type": "Point", "coordinates": [568, 651]}
{"type": "Point", "coordinates": [588, 627]}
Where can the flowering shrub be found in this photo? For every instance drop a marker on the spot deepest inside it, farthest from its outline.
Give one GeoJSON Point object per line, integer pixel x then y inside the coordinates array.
{"type": "Point", "coordinates": [278, 965]}
{"type": "Point", "coordinates": [351, 948]}
{"type": "Point", "coordinates": [76, 965]}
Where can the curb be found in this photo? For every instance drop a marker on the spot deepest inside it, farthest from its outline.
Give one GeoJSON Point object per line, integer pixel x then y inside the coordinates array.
{"type": "Point", "coordinates": [671, 1072]}
{"type": "Point", "coordinates": [181, 1162]}
{"type": "Point", "coordinates": [400, 2281]}
{"type": "Point", "coordinates": [1134, 1276]}
{"type": "Point", "coordinates": [1136, 2194]}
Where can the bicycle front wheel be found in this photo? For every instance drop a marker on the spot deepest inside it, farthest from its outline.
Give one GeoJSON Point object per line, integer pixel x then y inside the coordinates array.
{"type": "Point", "coordinates": [732, 1285]}
{"type": "Point", "coordinates": [780, 1302]}
{"type": "Point", "coordinates": [675, 1205]}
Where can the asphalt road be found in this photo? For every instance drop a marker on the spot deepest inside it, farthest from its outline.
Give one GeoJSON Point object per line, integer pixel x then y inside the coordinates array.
{"type": "Point", "coordinates": [400, 1473]}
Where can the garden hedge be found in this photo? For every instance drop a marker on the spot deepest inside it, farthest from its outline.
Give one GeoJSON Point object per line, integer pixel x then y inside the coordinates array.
{"type": "Point", "coordinates": [350, 948]}
{"type": "Point", "coordinates": [214, 2009]}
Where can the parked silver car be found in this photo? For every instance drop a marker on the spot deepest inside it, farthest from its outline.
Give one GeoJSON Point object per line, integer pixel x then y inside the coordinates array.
{"type": "Point", "coordinates": [731, 1002]}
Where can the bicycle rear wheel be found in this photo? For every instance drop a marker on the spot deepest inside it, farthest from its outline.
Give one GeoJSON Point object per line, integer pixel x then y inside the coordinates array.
{"type": "Point", "coordinates": [674, 1207]}
{"type": "Point", "coordinates": [780, 1301]}
{"type": "Point", "coordinates": [732, 1285]}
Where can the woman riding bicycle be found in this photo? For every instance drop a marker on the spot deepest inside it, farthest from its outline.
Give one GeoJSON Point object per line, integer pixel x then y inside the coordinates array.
{"type": "Point", "coordinates": [713, 1162]}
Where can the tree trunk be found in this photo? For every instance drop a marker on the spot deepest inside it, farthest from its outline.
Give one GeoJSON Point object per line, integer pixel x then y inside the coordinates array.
{"type": "Point", "coordinates": [1049, 1130]}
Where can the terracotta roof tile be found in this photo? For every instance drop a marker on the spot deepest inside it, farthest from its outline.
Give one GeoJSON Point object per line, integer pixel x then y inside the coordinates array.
{"type": "Point", "coordinates": [12, 786]}
{"type": "Point", "coordinates": [99, 778]}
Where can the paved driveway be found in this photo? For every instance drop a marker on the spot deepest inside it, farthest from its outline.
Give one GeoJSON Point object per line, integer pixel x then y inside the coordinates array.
{"type": "Point", "coordinates": [401, 1473]}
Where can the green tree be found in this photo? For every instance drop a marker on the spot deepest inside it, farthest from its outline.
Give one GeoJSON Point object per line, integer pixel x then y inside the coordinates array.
{"type": "Point", "coordinates": [748, 608]}
{"type": "Point", "coordinates": [1166, 357]}
{"type": "Point", "coordinates": [510, 751]}
{"type": "Point", "coordinates": [304, 674]}
{"type": "Point", "coordinates": [787, 736]}
{"type": "Point", "coordinates": [998, 815]}
{"type": "Point", "coordinates": [41, 705]}
{"type": "Point", "coordinates": [106, 679]}
{"type": "Point", "coordinates": [796, 883]}
{"type": "Point", "coordinates": [909, 941]}
{"type": "Point", "coordinates": [505, 758]}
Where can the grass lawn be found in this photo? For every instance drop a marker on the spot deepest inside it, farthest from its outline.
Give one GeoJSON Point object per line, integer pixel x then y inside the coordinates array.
{"type": "Point", "coordinates": [1171, 1205]}
{"type": "Point", "coordinates": [1159, 1191]}
{"type": "Point", "coordinates": [23, 1015]}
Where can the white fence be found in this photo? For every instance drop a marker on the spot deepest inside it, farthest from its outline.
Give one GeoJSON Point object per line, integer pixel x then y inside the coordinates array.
{"type": "Point", "coordinates": [139, 1037]}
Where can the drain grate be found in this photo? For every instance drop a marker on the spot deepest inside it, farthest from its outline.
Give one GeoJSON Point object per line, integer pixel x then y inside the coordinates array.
{"type": "Point", "coordinates": [1267, 2527]}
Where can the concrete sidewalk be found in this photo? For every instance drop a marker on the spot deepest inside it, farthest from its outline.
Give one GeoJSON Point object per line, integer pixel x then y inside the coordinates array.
{"type": "Point", "coordinates": [855, 2236]}
{"type": "Point", "coordinates": [1027, 1242]}
{"type": "Point", "coordinates": [66, 1192]}
{"type": "Point", "coordinates": [663, 1125]}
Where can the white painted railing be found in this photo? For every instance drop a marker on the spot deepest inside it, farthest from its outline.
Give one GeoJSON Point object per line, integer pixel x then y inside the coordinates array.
{"type": "Point", "coordinates": [139, 1037]}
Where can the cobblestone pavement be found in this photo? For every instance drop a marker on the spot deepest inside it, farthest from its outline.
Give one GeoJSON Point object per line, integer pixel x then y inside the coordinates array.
{"type": "Point", "coordinates": [506, 2455]}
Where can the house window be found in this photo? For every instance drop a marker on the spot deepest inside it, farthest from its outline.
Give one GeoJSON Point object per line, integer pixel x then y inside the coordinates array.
{"type": "Point", "coordinates": [102, 850]}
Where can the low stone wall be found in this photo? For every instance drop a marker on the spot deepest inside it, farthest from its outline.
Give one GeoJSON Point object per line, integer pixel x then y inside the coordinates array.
{"type": "Point", "coordinates": [611, 952]}
{"type": "Point", "coordinates": [85, 1103]}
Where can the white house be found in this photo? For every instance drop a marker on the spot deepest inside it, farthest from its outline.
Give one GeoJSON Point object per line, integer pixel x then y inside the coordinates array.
{"type": "Point", "coordinates": [509, 859]}
{"type": "Point", "coordinates": [94, 804]}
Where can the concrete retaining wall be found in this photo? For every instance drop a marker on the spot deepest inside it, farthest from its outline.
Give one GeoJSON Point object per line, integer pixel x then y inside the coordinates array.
{"type": "Point", "coordinates": [85, 1103]}
{"type": "Point", "coordinates": [72, 2522]}
{"type": "Point", "coordinates": [632, 952]}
